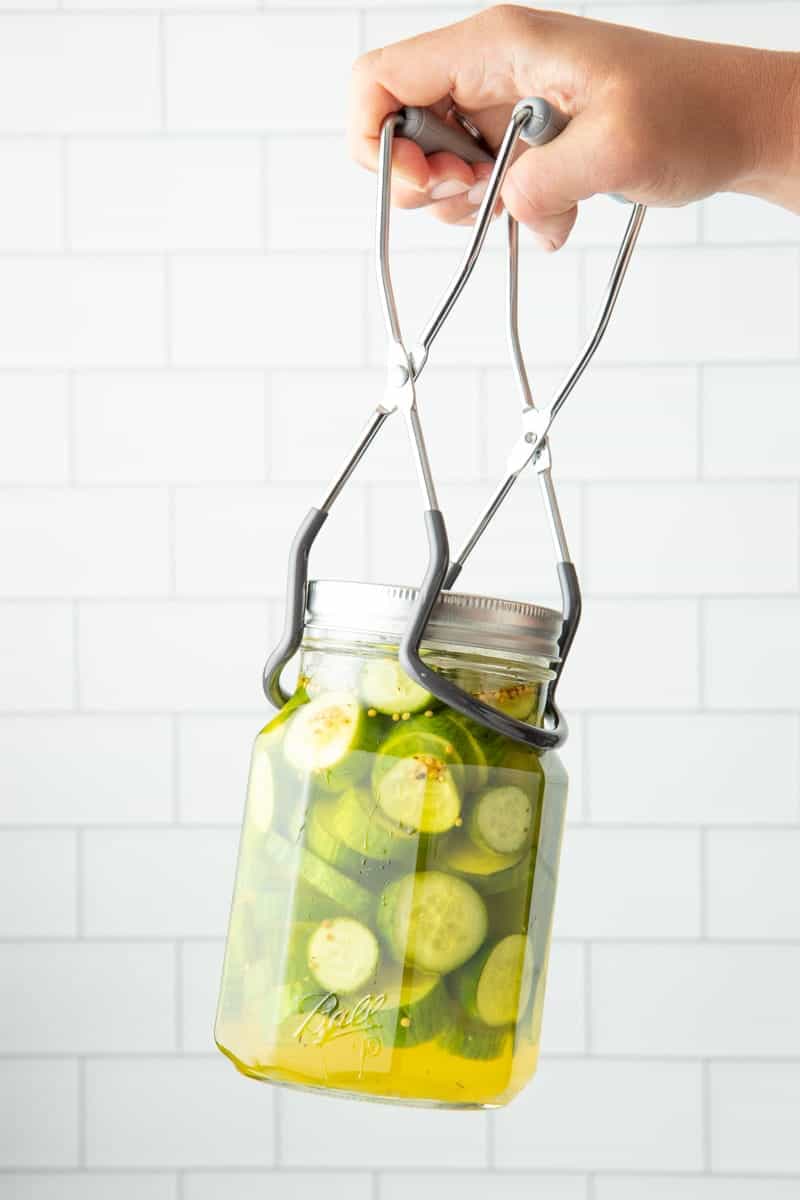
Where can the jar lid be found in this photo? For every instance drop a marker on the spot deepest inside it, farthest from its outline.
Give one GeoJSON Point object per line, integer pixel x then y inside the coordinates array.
{"type": "Point", "coordinates": [458, 619]}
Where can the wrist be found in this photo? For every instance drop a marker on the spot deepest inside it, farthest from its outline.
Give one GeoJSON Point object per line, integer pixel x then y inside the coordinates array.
{"type": "Point", "coordinates": [771, 160]}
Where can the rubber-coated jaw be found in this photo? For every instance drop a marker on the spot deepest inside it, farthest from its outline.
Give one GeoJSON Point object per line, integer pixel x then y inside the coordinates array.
{"type": "Point", "coordinates": [444, 689]}
{"type": "Point", "coordinates": [296, 592]}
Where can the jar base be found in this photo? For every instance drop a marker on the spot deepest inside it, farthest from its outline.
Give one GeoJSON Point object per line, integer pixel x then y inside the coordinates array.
{"type": "Point", "coordinates": [374, 1089]}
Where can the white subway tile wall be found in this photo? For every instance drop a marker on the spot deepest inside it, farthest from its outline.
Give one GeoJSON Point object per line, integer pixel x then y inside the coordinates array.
{"type": "Point", "coordinates": [190, 339]}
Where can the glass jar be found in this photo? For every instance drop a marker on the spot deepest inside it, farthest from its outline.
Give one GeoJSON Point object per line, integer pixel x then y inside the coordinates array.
{"type": "Point", "coordinates": [391, 918]}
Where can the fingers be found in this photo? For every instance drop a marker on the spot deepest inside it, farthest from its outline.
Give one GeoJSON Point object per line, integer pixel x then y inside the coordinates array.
{"type": "Point", "coordinates": [478, 64]}
{"type": "Point", "coordinates": [453, 193]}
{"type": "Point", "coordinates": [470, 62]}
{"type": "Point", "coordinates": [543, 187]}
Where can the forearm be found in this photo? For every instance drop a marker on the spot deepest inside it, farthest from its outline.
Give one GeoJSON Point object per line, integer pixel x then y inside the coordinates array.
{"type": "Point", "coordinates": [773, 103]}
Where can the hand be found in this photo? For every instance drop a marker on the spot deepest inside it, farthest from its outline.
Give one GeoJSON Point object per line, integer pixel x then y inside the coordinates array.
{"type": "Point", "coordinates": [661, 120]}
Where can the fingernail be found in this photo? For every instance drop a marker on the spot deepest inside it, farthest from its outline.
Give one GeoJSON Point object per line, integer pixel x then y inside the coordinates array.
{"type": "Point", "coordinates": [477, 192]}
{"type": "Point", "coordinates": [448, 188]}
{"type": "Point", "coordinates": [543, 243]}
{"type": "Point", "coordinates": [467, 220]}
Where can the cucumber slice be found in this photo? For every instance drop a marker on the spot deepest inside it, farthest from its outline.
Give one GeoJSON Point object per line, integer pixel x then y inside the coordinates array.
{"type": "Point", "coordinates": [312, 906]}
{"type": "Point", "coordinates": [418, 737]}
{"type": "Point", "coordinates": [468, 1039]}
{"type": "Point", "coordinates": [460, 745]}
{"type": "Point", "coordinates": [432, 920]}
{"type": "Point", "coordinates": [509, 912]}
{"type": "Point", "coordinates": [292, 958]}
{"type": "Point", "coordinates": [473, 750]}
{"type": "Point", "coordinates": [519, 700]}
{"type": "Point", "coordinates": [484, 869]}
{"type": "Point", "coordinates": [343, 955]}
{"type": "Point", "coordinates": [261, 784]}
{"type": "Point", "coordinates": [358, 821]}
{"type": "Point", "coordinates": [420, 793]}
{"type": "Point", "coordinates": [350, 834]}
{"type": "Point", "coordinates": [415, 1010]}
{"type": "Point", "coordinates": [313, 870]}
{"type": "Point", "coordinates": [416, 780]}
{"type": "Point", "coordinates": [324, 737]}
{"type": "Point", "coordinates": [386, 687]}
{"type": "Point", "coordinates": [501, 820]}
{"type": "Point", "coordinates": [324, 843]}
{"type": "Point", "coordinates": [496, 985]}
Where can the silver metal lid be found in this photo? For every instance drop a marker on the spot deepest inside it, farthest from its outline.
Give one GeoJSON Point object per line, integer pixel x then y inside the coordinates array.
{"type": "Point", "coordinates": [479, 622]}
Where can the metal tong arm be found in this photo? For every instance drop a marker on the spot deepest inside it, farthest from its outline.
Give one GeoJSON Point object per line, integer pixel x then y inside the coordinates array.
{"type": "Point", "coordinates": [297, 584]}
{"type": "Point", "coordinates": [536, 122]}
{"type": "Point", "coordinates": [537, 422]}
{"type": "Point", "coordinates": [533, 120]}
{"type": "Point", "coordinates": [421, 124]}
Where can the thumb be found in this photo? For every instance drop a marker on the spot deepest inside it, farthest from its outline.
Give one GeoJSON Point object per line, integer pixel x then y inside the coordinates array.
{"type": "Point", "coordinates": [544, 185]}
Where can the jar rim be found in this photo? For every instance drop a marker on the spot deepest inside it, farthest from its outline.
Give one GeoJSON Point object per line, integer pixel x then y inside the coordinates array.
{"type": "Point", "coordinates": [458, 618]}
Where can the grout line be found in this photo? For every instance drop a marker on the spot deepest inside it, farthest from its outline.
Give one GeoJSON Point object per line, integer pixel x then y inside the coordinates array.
{"type": "Point", "coordinates": [175, 771]}
{"type": "Point", "coordinates": [639, 942]}
{"type": "Point", "coordinates": [64, 164]}
{"type": "Point", "coordinates": [162, 72]}
{"type": "Point", "coordinates": [263, 193]}
{"type": "Point", "coordinates": [700, 399]}
{"type": "Point", "coordinates": [573, 482]}
{"type": "Point", "coordinates": [188, 826]}
{"type": "Point", "coordinates": [586, 785]}
{"type": "Point", "coordinates": [80, 906]}
{"type": "Point", "coordinates": [179, 981]}
{"type": "Point", "coordinates": [703, 876]}
{"type": "Point", "coordinates": [491, 1141]}
{"type": "Point", "coordinates": [268, 426]}
{"type": "Point", "coordinates": [82, 1112]}
{"type": "Point", "coordinates": [172, 540]}
{"type": "Point", "coordinates": [254, 711]}
{"type": "Point", "coordinates": [705, 1084]}
{"type": "Point", "coordinates": [213, 1056]}
{"type": "Point", "coordinates": [167, 351]}
{"type": "Point", "coordinates": [701, 654]}
{"type": "Point", "coordinates": [445, 1172]}
{"type": "Point", "coordinates": [277, 1126]}
{"type": "Point", "coordinates": [325, 370]}
{"type": "Point", "coordinates": [361, 31]}
{"type": "Point", "coordinates": [76, 657]}
{"type": "Point", "coordinates": [588, 1035]}
{"type": "Point", "coordinates": [72, 439]}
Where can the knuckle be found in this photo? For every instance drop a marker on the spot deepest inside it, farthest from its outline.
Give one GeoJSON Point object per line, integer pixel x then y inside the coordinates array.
{"type": "Point", "coordinates": [502, 18]}
{"type": "Point", "coordinates": [365, 66]}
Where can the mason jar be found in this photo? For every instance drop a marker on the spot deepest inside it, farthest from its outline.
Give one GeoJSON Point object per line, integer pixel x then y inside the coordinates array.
{"type": "Point", "coordinates": [391, 918]}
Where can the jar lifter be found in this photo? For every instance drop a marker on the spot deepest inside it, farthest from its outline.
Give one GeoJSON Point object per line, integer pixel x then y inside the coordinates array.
{"type": "Point", "coordinates": [533, 121]}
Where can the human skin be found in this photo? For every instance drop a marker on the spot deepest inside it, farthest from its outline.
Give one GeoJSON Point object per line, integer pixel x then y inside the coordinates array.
{"type": "Point", "coordinates": [660, 120]}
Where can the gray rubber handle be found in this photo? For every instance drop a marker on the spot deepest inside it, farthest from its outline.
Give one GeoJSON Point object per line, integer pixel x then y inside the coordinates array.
{"type": "Point", "coordinates": [432, 134]}
{"type": "Point", "coordinates": [544, 124]}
